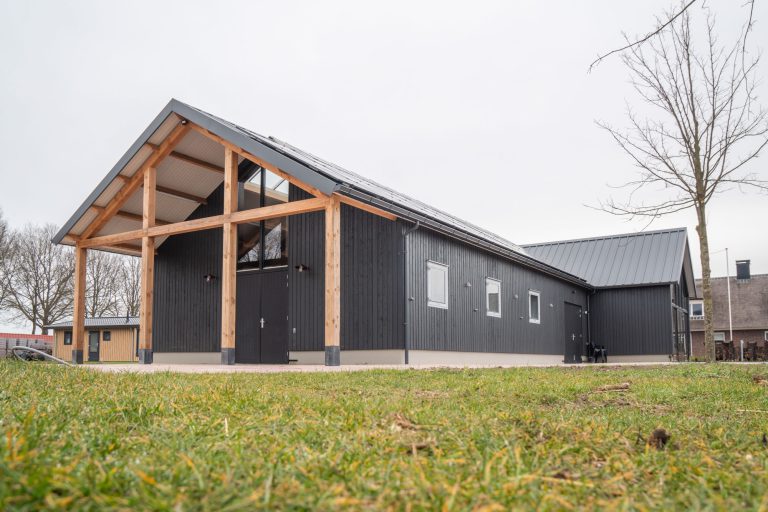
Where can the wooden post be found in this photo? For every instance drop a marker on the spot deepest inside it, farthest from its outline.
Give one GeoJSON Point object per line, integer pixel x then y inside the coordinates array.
{"type": "Point", "coordinates": [332, 282]}
{"type": "Point", "coordinates": [229, 261]}
{"type": "Point", "coordinates": [78, 315]}
{"type": "Point", "coordinates": [147, 268]}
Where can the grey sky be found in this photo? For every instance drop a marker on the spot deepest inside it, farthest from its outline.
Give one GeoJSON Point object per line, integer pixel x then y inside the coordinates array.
{"type": "Point", "coordinates": [483, 109]}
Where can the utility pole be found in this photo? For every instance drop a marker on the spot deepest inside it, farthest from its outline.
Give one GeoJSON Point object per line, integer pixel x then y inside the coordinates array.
{"type": "Point", "coordinates": [728, 281]}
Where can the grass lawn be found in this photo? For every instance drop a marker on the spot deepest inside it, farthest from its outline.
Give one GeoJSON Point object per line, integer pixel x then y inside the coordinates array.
{"type": "Point", "coordinates": [443, 439]}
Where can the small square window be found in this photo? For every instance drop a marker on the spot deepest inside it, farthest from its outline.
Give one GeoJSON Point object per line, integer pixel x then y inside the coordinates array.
{"type": "Point", "coordinates": [534, 307]}
{"type": "Point", "coordinates": [437, 285]}
{"type": "Point", "coordinates": [493, 297]}
{"type": "Point", "coordinates": [106, 335]}
{"type": "Point", "coordinates": [697, 309]}
{"type": "Point", "coordinates": [67, 337]}
{"type": "Point", "coordinates": [719, 336]}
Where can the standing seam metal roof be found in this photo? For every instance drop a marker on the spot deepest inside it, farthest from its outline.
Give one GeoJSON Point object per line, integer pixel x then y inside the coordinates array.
{"type": "Point", "coordinates": [328, 178]}
{"type": "Point", "coordinates": [650, 257]}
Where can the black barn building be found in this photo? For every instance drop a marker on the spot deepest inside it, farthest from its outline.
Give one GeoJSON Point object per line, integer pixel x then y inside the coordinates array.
{"type": "Point", "coordinates": [254, 251]}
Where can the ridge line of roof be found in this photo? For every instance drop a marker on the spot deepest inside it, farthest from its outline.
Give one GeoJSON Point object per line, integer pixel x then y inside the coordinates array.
{"type": "Point", "coordinates": [605, 237]}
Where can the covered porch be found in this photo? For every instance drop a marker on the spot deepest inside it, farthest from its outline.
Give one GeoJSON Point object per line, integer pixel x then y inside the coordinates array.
{"type": "Point", "coordinates": [183, 157]}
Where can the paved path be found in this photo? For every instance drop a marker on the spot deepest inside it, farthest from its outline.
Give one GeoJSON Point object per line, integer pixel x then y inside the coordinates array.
{"type": "Point", "coordinates": [278, 368]}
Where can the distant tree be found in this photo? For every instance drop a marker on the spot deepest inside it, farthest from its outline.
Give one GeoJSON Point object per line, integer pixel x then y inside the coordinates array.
{"type": "Point", "coordinates": [707, 127]}
{"type": "Point", "coordinates": [5, 251]}
{"type": "Point", "coordinates": [39, 276]}
{"type": "Point", "coordinates": [103, 276]}
{"type": "Point", "coordinates": [129, 286]}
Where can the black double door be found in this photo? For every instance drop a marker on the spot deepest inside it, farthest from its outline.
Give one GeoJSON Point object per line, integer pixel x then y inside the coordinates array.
{"type": "Point", "coordinates": [574, 336]}
{"type": "Point", "coordinates": [262, 317]}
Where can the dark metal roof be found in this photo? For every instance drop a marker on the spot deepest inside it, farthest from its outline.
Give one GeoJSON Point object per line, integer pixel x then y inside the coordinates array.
{"type": "Point", "coordinates": [348, 180]}
{"type": "Point", "coordinates": [104, 321]}
{"type": "Point", "coordinates": [328, 178]}
{"type": "Point", "coordinates": [650, 257]}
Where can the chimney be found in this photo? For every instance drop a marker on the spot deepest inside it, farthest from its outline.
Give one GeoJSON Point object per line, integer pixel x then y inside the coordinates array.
{"type": "Point", "coordinates": [742, 270]}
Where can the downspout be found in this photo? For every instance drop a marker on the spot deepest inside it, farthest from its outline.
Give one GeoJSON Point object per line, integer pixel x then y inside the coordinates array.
{"type": "Point", "coordinates": [407, 298]}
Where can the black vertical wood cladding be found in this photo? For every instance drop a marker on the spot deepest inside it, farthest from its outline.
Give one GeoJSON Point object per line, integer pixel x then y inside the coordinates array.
{"type": "Point", "coordinates": [187, 309]}
{"type": "Point", "coordinates": [465, 326]}
{"type": "Point", "coordinates": [371, 280]}
{"type": "Point", "coordinates": [633, 321]}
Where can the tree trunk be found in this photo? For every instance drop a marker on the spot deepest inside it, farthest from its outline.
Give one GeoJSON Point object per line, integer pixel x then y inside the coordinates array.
{"type": "Point", "coordinates": [709, 338]}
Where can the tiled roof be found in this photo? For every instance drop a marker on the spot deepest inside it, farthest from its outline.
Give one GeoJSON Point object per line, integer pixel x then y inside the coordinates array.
{"type": "Point", "coordinates": [749, 303]}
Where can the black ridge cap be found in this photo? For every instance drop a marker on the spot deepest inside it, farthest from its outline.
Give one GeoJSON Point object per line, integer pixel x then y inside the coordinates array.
{"type": "Point", "coordinates": [216, 126]}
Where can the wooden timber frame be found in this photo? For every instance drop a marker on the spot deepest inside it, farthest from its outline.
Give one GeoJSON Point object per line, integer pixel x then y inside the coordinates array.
{"type": "Point", "coordinates": [146, 178]}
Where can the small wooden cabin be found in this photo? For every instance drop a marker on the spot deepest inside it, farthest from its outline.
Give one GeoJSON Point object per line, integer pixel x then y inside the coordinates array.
{"type": "Point", "coordinates": [107, 339]}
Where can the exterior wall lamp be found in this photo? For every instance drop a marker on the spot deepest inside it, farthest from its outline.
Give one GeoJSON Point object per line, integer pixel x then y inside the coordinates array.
{"type": "Point", "coordinates": [209, 277]}
{"type": "Point", "coordinates": [302, 267]}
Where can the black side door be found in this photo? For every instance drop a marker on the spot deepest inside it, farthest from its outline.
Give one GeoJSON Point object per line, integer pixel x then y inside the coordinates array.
{"type": "Point", "coordinates": [274, 317]}
{"type": "Point", "coordinates": [93, 345]}
{"type": "Point", "coordinates": [574, 338]}
{"type": "Point", "coordinates": [247, 327]}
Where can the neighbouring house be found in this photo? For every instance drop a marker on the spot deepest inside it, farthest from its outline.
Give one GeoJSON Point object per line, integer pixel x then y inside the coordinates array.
{"type": "Point", "coordinates": [254, 251]}
{"type": "Point", "coordinates": [749, 310]}
{"type": "Point", "coordinates": [8, 340]}
{"type": "Point", "coordinates": [107, 339]}
{"type": "Point", "coordinates": [642, 282]}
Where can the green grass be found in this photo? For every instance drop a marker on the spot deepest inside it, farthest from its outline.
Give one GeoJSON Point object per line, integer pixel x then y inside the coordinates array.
{"type": "Point", "coordinates": [485, 439]}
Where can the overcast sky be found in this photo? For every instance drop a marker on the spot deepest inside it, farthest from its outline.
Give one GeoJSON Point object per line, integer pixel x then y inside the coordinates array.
{"type": "Point", "coordinates": [482, 109]}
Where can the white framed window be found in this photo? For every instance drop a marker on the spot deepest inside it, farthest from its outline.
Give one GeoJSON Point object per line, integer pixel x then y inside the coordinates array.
{"type": "Point", "coordinates": [492, 297]}
{"type": "Point", "coordinates": [697, 309]}
{"type": "Point", "coordinates": [765, 336]}
{"type": "Point", "coordinates": [534, 307]}
{"type": "Point", "coordinates": [437, 285]}
{"type": "Point", "coordinates": [719, 336]}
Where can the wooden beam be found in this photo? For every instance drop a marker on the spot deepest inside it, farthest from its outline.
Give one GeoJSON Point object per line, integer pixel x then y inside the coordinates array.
{"type": "Point", "coordinates": [366, 207]}
{"type": "Point", "coordinates": [188, 226]}
{"type": "Point", "coordinates": [131, 216]}
{"type": "Point", "coordinates": [229, 261]}
{"type": "Point", "coordinates": [258, 161]}
{"type": "Point", "coordinates": [78, 314]}
{"type": "Point", "coordinates": [191, 160]}
{"type": "Point", "coordinates": [147, 267]}
{"type": "Point", "coordinates": [333, 281]}
{"type": "Point", "coordinates": [180, 194]}
{"type": "Point", "coordinates": [135, 181]}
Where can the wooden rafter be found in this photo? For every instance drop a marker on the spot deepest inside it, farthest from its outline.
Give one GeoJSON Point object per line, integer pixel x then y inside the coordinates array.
{"type": "Point", "coordinates": [191, 160]}
{"type": "Point", "coordinates": [131, 184]}
{"type": "Point", "coordinates": [131, 216]}
{"type": "Point", "coordinates": [188, 226]}
{"type": "Point", "coordinates": [258, 161]}
{"type": "Point", "coordinates": [180, 194]}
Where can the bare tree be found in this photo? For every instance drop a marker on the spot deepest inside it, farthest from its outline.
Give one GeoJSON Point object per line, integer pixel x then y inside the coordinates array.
{"type": "Point", "coordinates": [708, 127]}
{"type": "Point", "coordinates": [5, 253]}
{"type": "Point", "coordinates": [103, 275]}
{"type": "Point", "coordinates": [129, 287]}
{"type": "Point", "coordinates": [39, 277]}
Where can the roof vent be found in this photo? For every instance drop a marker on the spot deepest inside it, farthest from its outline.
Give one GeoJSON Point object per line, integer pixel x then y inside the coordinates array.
{"type": "Point", "coordinates": [742, 270]}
